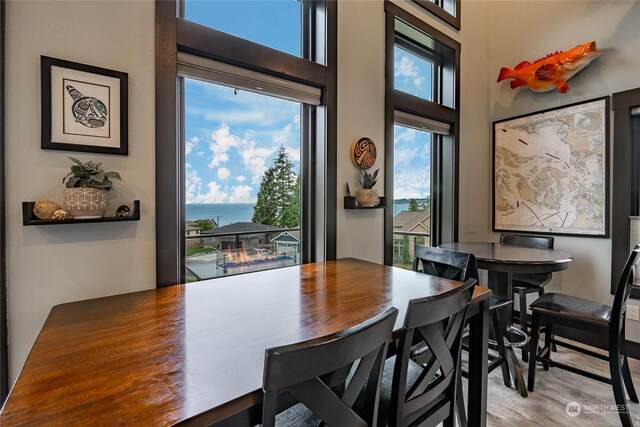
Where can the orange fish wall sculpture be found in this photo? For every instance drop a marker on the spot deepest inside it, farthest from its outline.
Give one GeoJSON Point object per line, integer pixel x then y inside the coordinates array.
{"type": "Point", "coordinates": [553, 70]}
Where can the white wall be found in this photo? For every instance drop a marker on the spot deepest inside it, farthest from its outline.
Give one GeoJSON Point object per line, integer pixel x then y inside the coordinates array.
{"type": "Point", "coordinates": [360, 233]}
{"type": "Point", "coordinates": [532, 30]}
{"type": "Point", "coordinates": [49, 265]}
{"type": "Point", "coordinates": [360, 113]}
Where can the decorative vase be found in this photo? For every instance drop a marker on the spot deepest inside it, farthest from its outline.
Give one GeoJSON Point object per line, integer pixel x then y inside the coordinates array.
{"type": "Point", "coordinates": [368, 197]}
{"type": "Point", "coordinates": [86, 203]}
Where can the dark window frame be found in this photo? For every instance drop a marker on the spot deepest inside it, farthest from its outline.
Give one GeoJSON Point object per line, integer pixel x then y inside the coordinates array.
{"type": "Point", "coordinates": [437, 10]}
{"type": "Point", "coordinates": [444, 149]}
{"type": "Point", "coordinates": [625, 197]}
{"type": "Point", "coordinates": [413, 48]}
{"type": "Point", "coordinates": [4, 343]}
{"type": "Point", "coordinates": [175, 34]}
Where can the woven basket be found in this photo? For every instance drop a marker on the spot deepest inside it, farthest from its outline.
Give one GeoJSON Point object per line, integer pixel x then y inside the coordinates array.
{"type": "Point", "coordinates": [368, 197]}
{"type": "Point", "coordinates": [85, 203]}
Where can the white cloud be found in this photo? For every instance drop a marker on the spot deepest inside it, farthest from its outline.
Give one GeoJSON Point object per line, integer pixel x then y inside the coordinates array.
{"type": "Point", "coordinates": [285, 136]}
{"type": "Point", "coordinates": [241, 178]}
{"type": "Point", "coordinates": [194, 192]}
{"type": "Point", "coordinates": [236, 116]}
{"type": "Point", "coordinates": [294, 153]}
{"type": "Point", "coordinates": [289, 137]}
{"type": "Point", "coordinates": [254, 160]}
{"type": "Point", "coordinates": [214, 194]}
{"type": "Point", "coordinates": [404, 155]}
{"type": "Point", "coordinates": [246, 107]}
{"type": "Point", "coordinates": [242, 194]}
{"type": "Point", "coordinates": [411, 183]}
{"type": "Point", "coordinates": [193, 184]}
{"type": "Point", "coordinates": [191, 144]}
{"type": "Point", "coordinates": [406, 69]}
{"type": "Point", "coordinates": [222, 140]}
{"type": "Point", "coordinates": [223, 173]}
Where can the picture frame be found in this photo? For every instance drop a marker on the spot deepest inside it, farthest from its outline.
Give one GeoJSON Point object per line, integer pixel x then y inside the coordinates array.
{"type": "Point", "coordinates": [84, 108]}
{"type": "Point", "coordinates": [551, 171]}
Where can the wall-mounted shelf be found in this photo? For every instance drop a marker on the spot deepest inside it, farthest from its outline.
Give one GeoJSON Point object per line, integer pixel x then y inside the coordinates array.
{"type": "Point", "coordinates": [28, 218]}
{"type": "Point", "coordinates": [350, 203]}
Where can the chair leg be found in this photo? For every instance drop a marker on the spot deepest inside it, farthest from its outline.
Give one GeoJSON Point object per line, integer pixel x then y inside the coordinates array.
{"type": "Point", "coordinates": [460, 409]}
{"type": "Point", "coordinates": [533, 350]}
{"type": "Point", "coordinates": [617, 383]}
{"type": "Point", "coordinates": [522, 297]}
{"type": "Point", "coordinates": [628, 381]}
{"type": "Point", "coordinates": [548, 333]}
{"type": "Point", "coordinates": [516, 369]}
{"type": "Point", "coordinates": [499, 336]}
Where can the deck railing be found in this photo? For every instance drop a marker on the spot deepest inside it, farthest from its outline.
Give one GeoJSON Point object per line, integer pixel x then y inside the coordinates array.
{"type": "Point", "coordinates": [210, 254]}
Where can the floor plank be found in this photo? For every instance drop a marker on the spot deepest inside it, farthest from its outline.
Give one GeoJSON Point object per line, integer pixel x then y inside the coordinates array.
{"type": "Point", "coordinates": [546, 405]}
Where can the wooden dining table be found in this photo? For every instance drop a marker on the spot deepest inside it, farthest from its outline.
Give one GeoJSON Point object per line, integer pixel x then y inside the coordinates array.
{"type": "Point", "coordinates": [192, 354]}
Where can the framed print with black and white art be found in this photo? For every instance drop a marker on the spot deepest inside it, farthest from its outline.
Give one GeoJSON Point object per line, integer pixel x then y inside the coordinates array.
{"type": "Point", "coordinates": [84, 108]}
{"type": "Point", "coordinates": [550, 171]}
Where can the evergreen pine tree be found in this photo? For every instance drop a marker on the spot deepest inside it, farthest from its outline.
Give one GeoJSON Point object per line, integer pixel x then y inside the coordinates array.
{"type": "Point", "coordinates": [278, 201]}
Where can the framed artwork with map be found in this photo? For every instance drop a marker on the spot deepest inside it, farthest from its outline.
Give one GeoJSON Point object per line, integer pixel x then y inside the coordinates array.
{"type": "Point", "coordinates": [551, 171]}
{"type": "Point", "coordinates": [84, 108]}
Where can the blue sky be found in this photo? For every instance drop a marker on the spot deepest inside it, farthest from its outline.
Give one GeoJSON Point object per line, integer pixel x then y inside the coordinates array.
{"type": "Point", "coordinates": [232, 138]}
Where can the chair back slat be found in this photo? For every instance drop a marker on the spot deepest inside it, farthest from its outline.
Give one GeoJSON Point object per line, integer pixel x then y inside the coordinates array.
{"type": "Point", "coordinates": [527, 240]}
{"type": "Point", "coordinates": [313, 371]}
{"type": "Point", "coordinates": [624, 289]}
{"type": "Point", "coordinates": [446, 263]}
{"type": "Point", "coordinates": [438, 323]}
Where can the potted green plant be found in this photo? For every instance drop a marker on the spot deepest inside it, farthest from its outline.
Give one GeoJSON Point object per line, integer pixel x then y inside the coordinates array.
{"type": "Point", "coordinates": [87, 188]}
{"type": "Point", "coordinates": [367, 196]}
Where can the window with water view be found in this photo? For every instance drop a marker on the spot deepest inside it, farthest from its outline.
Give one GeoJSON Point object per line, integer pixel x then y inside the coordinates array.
{"type": "Point", "coordinates": [242, 152]}
{"type": "Point", "coordinates": [242, 165]}
{"type": "Point", "coordinates": [412, 193]}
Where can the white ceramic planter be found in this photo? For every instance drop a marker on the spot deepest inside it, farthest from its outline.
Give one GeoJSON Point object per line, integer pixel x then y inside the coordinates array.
{"type": "Point", "coordinates": [86, 203]}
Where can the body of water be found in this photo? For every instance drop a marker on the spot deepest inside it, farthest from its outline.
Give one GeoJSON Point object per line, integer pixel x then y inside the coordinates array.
{"type": "Point", "coordinates": [229, 213]}
{"type": "Point", "coordinates": [222, 213]}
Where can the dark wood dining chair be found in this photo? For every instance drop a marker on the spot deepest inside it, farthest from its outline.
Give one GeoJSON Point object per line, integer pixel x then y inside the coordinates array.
{"type": "Point", "coordinates": [553, 309]}
{"type": "Point", "coordinates": [425, 394]}
{"type": "Point", "coordinates": [462, 266]}
{"type": "Point", "coordinates": [313, 373]}
{"type": "Point", "coordinates": [524, 284]}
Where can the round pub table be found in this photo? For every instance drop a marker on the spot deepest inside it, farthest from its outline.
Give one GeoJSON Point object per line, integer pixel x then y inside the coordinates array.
{"type": "Point", "coordinates": [501, 261]}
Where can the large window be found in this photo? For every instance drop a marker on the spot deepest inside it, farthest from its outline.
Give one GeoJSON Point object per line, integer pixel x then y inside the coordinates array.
{"type": "Point", "coordinates": [244, 131]}
{"type": "Point", "coordinates": [412, 73]}
{"type": "Point", "coordinates": [447, 10]}
{"type": "Point", "coordinates": [276, 24]}
{"type": "Point", "coordinates": [421, 118]}
{"type": "Point", "coordinates": [242, 173]}
{"type": "Point", "coordinates": [411, 193]}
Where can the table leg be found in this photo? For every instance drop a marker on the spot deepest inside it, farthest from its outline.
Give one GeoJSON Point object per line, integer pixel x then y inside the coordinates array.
{"type": "Point", "coordinates": [500, 284]}
{"type": "Point", "coordinates": [478, 361]}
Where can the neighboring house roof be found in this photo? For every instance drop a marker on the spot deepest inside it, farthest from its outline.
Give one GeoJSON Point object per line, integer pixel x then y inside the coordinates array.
{"type": "Point", "coordinates": [195, 222]}
{"type": "Point", "coordinates": [413, 221]}
{"type": "Point", "coordinates": [190, 227]}
{"type": "Point", "coordinates": [285, 237]}
{"type": "Point", "coordinates": [241, 227]}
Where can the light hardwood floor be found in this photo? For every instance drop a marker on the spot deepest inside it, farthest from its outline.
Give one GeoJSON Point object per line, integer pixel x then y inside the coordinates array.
{"type": "Point", "coordinates": [554, 389]}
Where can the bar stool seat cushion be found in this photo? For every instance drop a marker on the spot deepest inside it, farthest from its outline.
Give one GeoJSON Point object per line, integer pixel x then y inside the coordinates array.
{"type": "Point", "coordinates": [576, 308]}
{"type": "Point", "coordinates": [497, 302]}
{"type": "Point", "coordinates": [297, 415]}
{"type": "Point", "coordinates": [530, 280]}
